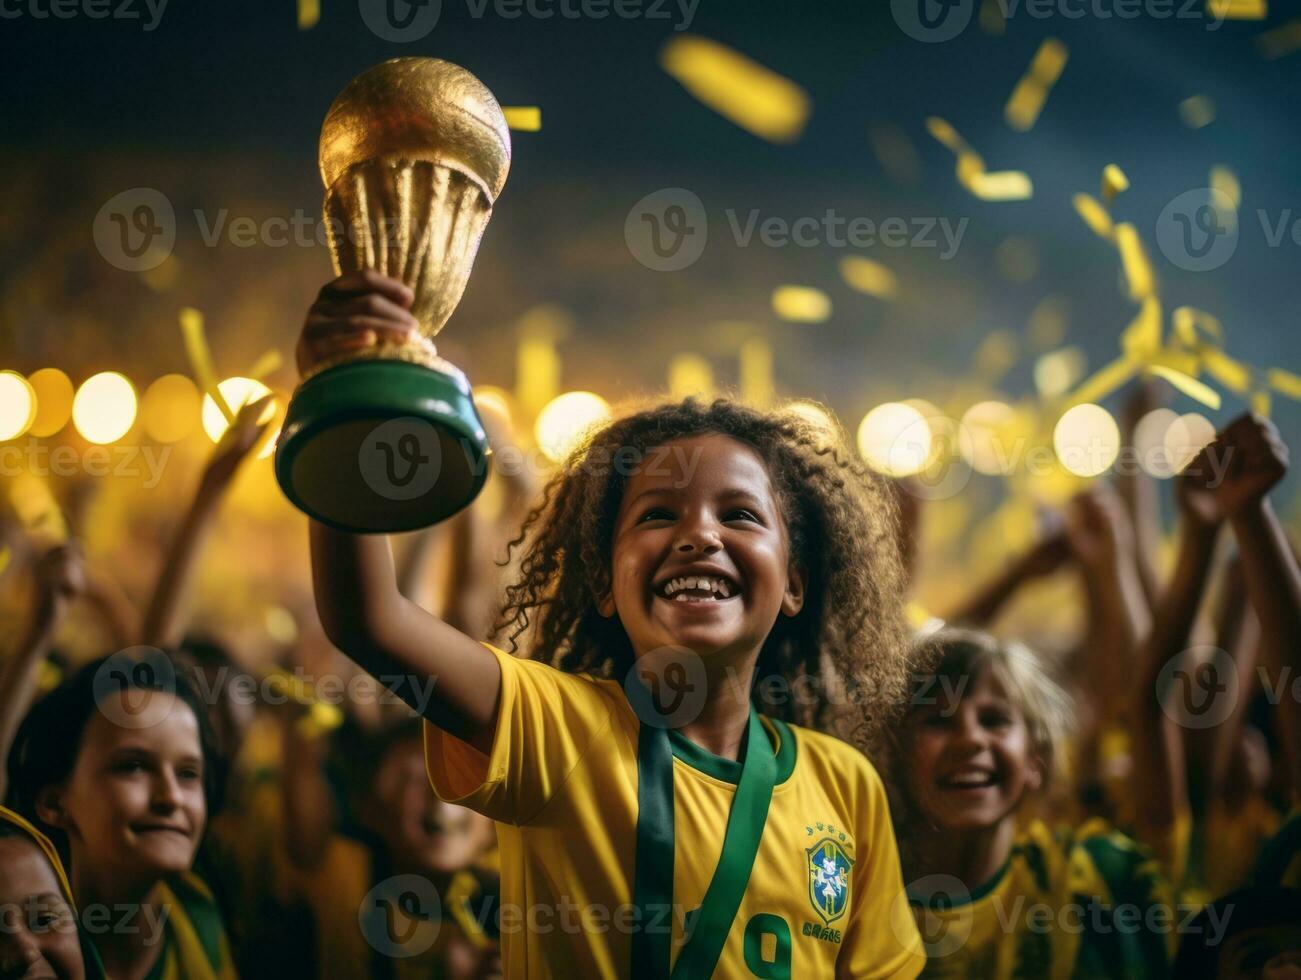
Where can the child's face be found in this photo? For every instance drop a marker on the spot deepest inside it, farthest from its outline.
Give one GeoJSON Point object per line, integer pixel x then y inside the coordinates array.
{"type": "Point", "coordinates": [134, 804]}
{"type": "Point", "coordinates": [38, 931]}
{"type": "Point", "coordinates": [704, 508]}
{"type": "Point", "coordinates": [419, 829]}
{"type": "Point", "coordinates": [970, 762]}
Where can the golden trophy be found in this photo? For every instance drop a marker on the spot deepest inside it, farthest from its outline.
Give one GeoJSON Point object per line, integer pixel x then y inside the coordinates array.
{"type": "Point", "coordinates": [413, 153]}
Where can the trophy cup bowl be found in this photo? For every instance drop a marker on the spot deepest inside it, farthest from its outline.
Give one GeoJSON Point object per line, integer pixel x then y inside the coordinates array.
{"type": "Point", "coordinates": [413, 154]}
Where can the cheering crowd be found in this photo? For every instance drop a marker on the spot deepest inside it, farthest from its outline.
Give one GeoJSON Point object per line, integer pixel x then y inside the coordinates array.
{"type": "Point", "coordinates": [541, 746]}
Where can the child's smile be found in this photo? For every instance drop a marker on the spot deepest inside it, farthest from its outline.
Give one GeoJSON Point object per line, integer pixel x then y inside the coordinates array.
{"type": "Point", "coordinates": [700, 551]}
{"type": "Point", "coordinates": [970, 760]}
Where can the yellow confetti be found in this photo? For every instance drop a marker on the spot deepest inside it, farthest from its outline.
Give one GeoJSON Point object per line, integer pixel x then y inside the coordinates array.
{"type": "Point", "coordinates": [993, 19]}
{"type": "Point", "coordinates": [690, 374]}
{"type": "Point", "coordinates": [869, 277]}
{"type": "Point", "coordinates": [1095, 216]}
{"type": "Point", "coordinates": [1281, 41]}
{"type": "Point", "coordinates": [1031, 92]}
{"type": "Point", "coordinates": [1048, 321]}
{"type": "Point", "coordinates": [1285, 382]}
{"type": "Point", "coordinates": [1104, 382]}
{"type": "Point", "coordinates": [1226, 195]}
{"type": "Point", "coordinates": [1006, 185]}
{"type": "Point", "coordinates": [268, 363]}
{"type": "Point", "coordinates": [1261, 403]}
{"type": "Point", "coordinates": [996, 354]}
{"type": "Point", "coordinates": [1138, 268]}
{"type": "Point", "coordinates": [754, 372]}
{"type": "Point", "coordinates": [1237, 9]}
{"type": "Point", "coordinates": [1197, 111]}
{"type": "Point", "coordinates": [196, 346]}
{"type": "Point", "coordinates": [801, 304]}
{"type": "Point", "coordinates": [1190, 386]}
{"type": "Point", "coordinates": [946, 135]}
{"type": "Point", "coordinates": [1114, 183]}
{"type": "Point", "coordinates": [5, 556]}
{"type": "Point", "coordinates": [309, 14]}
{"type": "Point", "coordinates": [523, 118]}
{"type": "Point", "coordinates": [752, 96]}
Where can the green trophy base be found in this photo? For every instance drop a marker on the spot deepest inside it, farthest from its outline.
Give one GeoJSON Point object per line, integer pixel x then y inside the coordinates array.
{"type": "Point", "coordinates": [382, 446]}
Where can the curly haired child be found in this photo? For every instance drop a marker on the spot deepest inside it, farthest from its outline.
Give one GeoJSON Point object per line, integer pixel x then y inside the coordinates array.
{"type": "Point", "coordinates": [689, 564]}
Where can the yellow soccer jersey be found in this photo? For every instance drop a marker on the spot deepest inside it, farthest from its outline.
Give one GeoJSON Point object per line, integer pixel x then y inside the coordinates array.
{"type": "Point", "coordinates": [824, 893]}
{"type": "Point", "coordinates": [1082, 903]}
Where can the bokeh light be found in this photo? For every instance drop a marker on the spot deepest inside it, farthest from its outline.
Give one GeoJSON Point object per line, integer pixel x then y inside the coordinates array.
{"type": "Point", "coordinates": [104, 408]}
{"type": "Point", "coordinates": [986, 431]}
{"type": "Point", "coordinates": [170, 408]}
{"type": "Point", "coordinates": [237, 392]}
{"type": "Point", "coordinates": [1187, 436]}
{"type": "Point", "coordinates": [1087, 440]}
{"type": "Point", "coordinates": [895, 439]}
{"type": "Point", "coordinates": [564, 421]}
{"type": "Point", "coordinates": [1149, 442]}
{"type": "Point", "coordinates": [17, 405]}
{"type": "Point", "coordinates": [53, 401]}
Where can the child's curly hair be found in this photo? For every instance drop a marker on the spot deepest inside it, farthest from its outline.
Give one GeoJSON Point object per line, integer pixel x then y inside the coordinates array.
{"type": "Point", "coordinates": [848, 642]}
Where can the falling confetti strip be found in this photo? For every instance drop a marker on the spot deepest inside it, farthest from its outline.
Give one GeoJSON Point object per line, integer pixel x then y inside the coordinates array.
{"type": "Point", "coordinates": [756, 99]}
{"type": "Point", "coordinates": [1114, 183]}
{"type": "Point", "coordinates": [1005, 185]}
{"type": "Point", "coordinates": [1095, 216]}
{"type": "Point", "coordinates": [1031, 92]}
{"type": "Point", "coordinates": [1197, 111]}
{"type": "Point", "coordinates": [1281, 41]}
{"type": "Point", "coordinates": [993, 18]}
{"type": "Point", "coordinates": [523, 118]}
{"type": "Point", "coordinates": [309, 14]}
{"type": "Point", "coordinates": [1134, 259]}
{"type": "Point", "coordinates": [801, 304]}
{"type": "Point", "coordinates": [196, 347]}
{"type": "Point", "coordinates": [869, 277]}
{"type": "Point", "coordinates": [1237, 9]}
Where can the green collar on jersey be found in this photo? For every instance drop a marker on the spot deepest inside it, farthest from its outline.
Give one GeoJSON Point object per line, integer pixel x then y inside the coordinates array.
{"type": "Point", "coordinates": [653, 883]}
{"type": "Point", "coordinates": [729, 770]}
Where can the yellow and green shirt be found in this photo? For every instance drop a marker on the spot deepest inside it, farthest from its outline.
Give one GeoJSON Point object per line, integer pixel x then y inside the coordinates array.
{"type": "Point", "coordinates": [1083, 902]}
{"type": "Point", "coordinates": [823, 895]}
{"type": "Point", "coordinates": [194, 941]}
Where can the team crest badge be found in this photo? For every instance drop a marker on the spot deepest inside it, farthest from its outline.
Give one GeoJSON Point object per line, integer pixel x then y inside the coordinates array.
{"type": "Point", "coordinates": [829, 867]}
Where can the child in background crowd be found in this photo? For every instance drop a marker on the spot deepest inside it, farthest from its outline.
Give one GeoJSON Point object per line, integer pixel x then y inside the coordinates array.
{"type": "Point", "coordinates": [118, 765]}
{"type": "Point", "coordinates": [997, 892]}
{"type": "Point", "coordinates": [38, 919]}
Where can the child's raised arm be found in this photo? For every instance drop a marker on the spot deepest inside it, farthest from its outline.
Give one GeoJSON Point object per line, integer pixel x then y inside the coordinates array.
{"type": "Point", "coordinates": [1159, 780]}
{"type": "Point", "coordinates": [60, 579]}
{"type": "Point", "coordinates": [445, 675]}
{"type": "Point", "coordinates": [1253, 460]}
{"type": "Point", "coordinates": [168, 614]}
